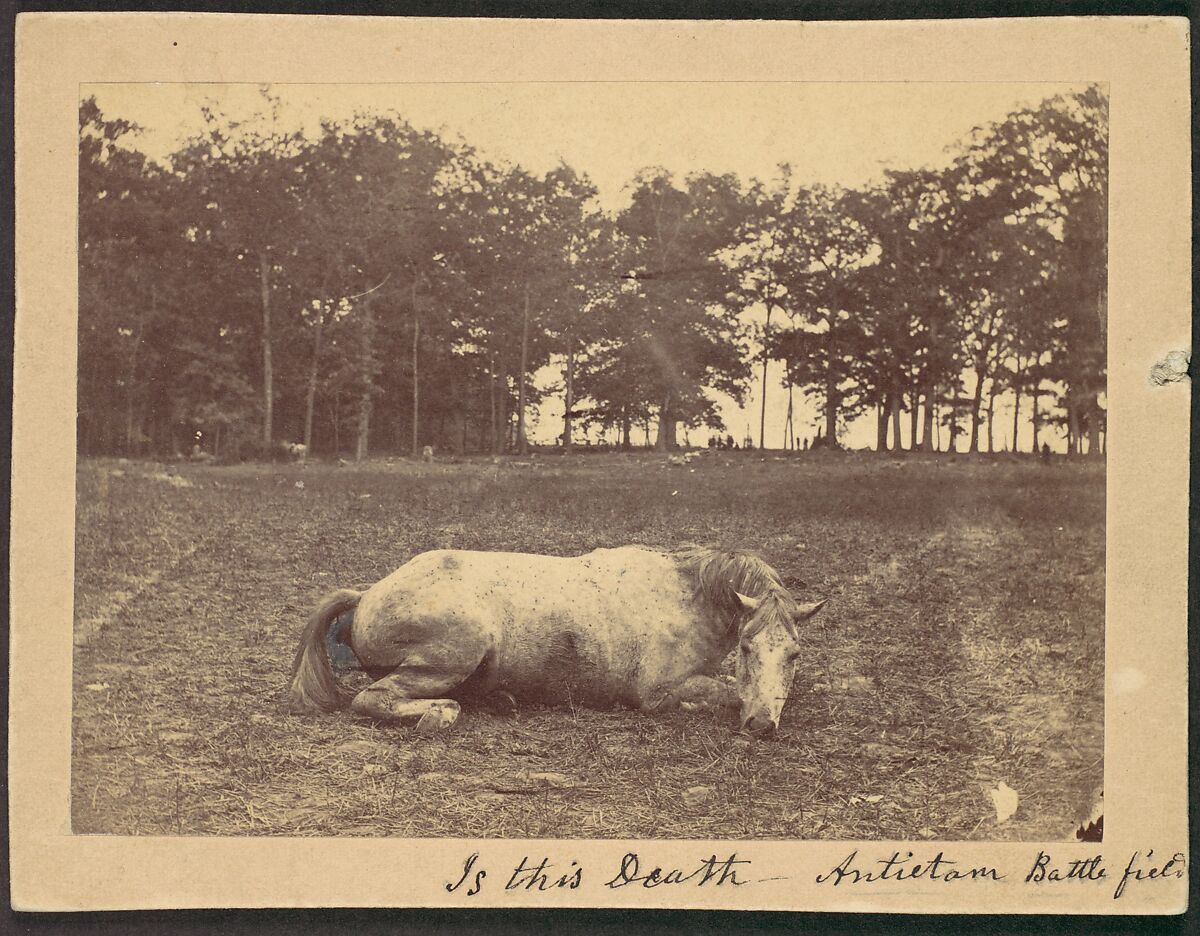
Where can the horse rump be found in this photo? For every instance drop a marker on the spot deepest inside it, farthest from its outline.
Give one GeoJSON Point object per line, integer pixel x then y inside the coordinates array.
{"type": "Point", "coordinates": [314, 688]}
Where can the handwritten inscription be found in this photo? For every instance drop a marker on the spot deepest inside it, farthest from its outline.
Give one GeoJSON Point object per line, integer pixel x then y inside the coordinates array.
{"type": "Point", "coordinates": [710, 871]}
{"type": "Point", "coordinates": [469, 871]}
{"type": "Point", "coordinates": [1081, 869]}
{"type": "Point", "coordinates": [906, 867]}
{"type": "Point", "coordinates": [544, 876]}
{"type": "Point", "coordinates": [1145, 869]}
{"type": "Point", "coordinates": [1139, 868]}
{"type": "Point", "coordinates": [541, 874]}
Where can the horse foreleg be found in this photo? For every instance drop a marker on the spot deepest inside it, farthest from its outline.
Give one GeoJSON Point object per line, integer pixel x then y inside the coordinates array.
{"type": "Point", "coordinates": [389, 700]}
{"type": "Point", "coordinates": [703, 694]}
{"type": "Point", "coordinates": [403, 699]}
{"type": "Point", "coordinates": [416, 689]}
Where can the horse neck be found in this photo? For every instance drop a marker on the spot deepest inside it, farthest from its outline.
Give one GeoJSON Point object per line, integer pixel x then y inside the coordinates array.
{"type": "Point", "coordinates": [719, 626]}
{"type": "Point", "coordinates": [732, 570]}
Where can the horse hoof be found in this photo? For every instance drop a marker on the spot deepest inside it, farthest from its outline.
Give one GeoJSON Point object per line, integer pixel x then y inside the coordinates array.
{"type": "Point", "coordinates": [438, 718]}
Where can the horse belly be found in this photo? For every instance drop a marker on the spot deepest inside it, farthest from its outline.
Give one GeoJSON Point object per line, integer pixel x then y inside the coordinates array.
{"type": "Point", "coordinates": [561, 656]}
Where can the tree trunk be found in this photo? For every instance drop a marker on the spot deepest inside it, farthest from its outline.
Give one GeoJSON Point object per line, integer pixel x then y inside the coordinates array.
{"type": "Point", "coordinates": [492, 403]}
{"type": "Point", "coordinates": [881, 428]}
{"type": "Point", "coordinates": [1016, 409]}
{"type": "Point", "coordinates": [1093, 427]}
{"type": "Point", "coordinates": [131, 376]}
{"type": "Point", "coordinates": [930, 392]}
{"type": "Point", "coordinates": [310, 396]}
{"type": "Point", "coordinates": [914, 421]}
{"type": "Point", "coordinates": [897, 442]}
{"type": "Point", "coordinates": [268, 388]}
{"type": "Point", "coordinates": [1034, 399]}
{"type": "Point", "coordinates": [789, 427]}
{"type": "Point", "coordinates": [626, 428]}
{"type": "Point", "coordinates": [666, 426]}
{"type": "Point", "coordinates": [335, 414]}
{"type": "Point", "coordinates": [762, 419]}
{"type": "Point", "coordinates": [976, 408]}
{"type": "Point", "coordinates": [991, 413]}
{"type": "Point", "coordinates": [364, 426]}
{"type": "Point", "coordinates": [416, 374]}
{"type": "Point", "coordinates": [570, 392]}
{"type": "Point", "coordinates": [831, 410]}
{"type": "Point", "coordinates": [522, 445]}
{"type": "Point", "coordinates": [1073, 442]}
{"type": "Point", "coordinates": [832, 401]}
{"type": "Point", "coordinates": [365, 350]}
{"type": "Point", "coordinates": [929, 431]}
{"type": "Point", "coordinates": [505, 401]}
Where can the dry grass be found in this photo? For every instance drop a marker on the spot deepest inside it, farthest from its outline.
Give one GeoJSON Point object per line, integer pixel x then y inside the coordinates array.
{"type": "Point", "coordinates": [963, 646]}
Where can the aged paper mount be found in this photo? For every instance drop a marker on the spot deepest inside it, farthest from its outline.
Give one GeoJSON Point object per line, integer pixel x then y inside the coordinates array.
{"type": "Point", "coordinates": [1144, 63]}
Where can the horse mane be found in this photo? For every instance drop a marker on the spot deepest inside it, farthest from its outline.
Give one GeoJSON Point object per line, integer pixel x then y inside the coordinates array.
{"type": "Point", "coordinates": [718, 576]}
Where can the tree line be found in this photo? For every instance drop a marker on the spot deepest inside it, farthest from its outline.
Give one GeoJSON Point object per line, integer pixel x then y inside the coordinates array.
{"type": "Point", "coordinates": [374, 286]}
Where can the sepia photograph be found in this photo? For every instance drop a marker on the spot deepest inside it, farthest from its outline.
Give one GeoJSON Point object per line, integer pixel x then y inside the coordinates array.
{"type": "Point", "coordinates": [591, 460]}
{"type": "Point", "coordinates": [496, 463]}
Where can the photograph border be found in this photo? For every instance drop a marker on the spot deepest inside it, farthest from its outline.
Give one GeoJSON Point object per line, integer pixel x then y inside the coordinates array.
{"type": "Point", "coordinates": [44, 342]}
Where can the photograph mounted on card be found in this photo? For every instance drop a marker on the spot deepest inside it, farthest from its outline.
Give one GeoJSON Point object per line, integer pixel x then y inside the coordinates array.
{"type": "Point", "coordinates": [625, 479]}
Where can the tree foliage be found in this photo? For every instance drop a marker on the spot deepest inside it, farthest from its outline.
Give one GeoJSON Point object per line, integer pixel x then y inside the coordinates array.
{"type": "Point", "coordinates": [375, 286]}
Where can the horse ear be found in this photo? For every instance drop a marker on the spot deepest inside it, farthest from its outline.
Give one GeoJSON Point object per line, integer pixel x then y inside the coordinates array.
{"type": "Point", "coordinates": [748, 603]}
{"type": "Point", "coordinates": [806, 611]}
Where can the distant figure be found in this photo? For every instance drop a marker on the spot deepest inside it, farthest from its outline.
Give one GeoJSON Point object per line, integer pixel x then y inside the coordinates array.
{"type": "Point", "coordinates": [806, 443]}
{"type": "Point", "coordinates": [427, 453]}
{"type": "Point", "coordinates": [1045, 454]}
{"type": "Point", "coordinates": [729, 442]}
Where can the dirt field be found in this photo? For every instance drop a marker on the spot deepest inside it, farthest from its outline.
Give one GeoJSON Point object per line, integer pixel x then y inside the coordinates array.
{"type": "Point", "coordinates": [962, 648]}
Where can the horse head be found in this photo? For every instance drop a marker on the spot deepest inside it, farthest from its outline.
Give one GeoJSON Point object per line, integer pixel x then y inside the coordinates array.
{"type": "Point", "coordinates": [768, 651]}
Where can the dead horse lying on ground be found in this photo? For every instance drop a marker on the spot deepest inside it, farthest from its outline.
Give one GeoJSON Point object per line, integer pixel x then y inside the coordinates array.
{"type": "Point", "coordinates": [628, 626]}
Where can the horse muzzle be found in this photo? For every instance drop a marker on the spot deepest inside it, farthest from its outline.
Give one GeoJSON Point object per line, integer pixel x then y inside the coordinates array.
{"type": "Point", "coordinates": [759, 725]}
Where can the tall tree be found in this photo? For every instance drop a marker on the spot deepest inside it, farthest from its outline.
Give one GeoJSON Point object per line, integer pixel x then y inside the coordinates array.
{"type": "Point", "coordinates": [685, 330]}
{"type": "Point", "coordinates": [761, 258]}
{"type": "Point", "coordinates": [245, 200]}
{"type": "Point", "coordinates": [825, 254]}
{"type": "Point", "coordinates": [1051, 163]}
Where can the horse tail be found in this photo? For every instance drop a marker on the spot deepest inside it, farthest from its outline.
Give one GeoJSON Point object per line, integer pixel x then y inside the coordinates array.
{"type": "Point", "coordinates": [314, 687]}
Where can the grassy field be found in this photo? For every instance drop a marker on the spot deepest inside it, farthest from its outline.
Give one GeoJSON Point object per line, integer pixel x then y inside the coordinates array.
{"type": "Point", "coordinates": [962, 648]}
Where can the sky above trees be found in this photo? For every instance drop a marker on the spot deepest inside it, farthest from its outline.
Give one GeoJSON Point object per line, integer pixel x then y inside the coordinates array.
{"type": "Point", "coordinates": [834, 134]}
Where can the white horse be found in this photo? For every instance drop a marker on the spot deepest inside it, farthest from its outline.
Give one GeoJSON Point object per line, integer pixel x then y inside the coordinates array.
{"type": "Point", "coordinates": [629, 626]}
